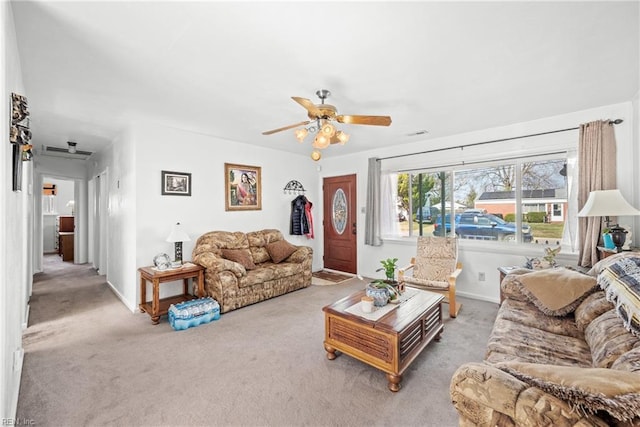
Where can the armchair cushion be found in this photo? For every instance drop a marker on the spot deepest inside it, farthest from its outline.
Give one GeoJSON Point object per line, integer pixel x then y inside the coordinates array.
{"type": "Point", "coordinates": [557, 291]}
{"type": "Point", "coordinates": [587, 389]}
{"type": "Point", "coordinates": [435, 260]}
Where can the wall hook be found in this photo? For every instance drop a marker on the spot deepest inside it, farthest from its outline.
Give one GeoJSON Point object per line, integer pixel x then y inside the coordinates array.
{"type": "Point", "coordinates": [294, 187]}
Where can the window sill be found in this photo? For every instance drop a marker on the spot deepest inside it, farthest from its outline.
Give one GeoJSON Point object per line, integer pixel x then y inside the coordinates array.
{"type": "Point", "coordinates": [468, 245]}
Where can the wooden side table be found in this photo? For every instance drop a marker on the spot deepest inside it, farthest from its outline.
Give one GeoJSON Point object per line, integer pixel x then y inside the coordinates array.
{"type": "Point", "coordinates": [157, 307]}
{"type": "Point", "coordinates": [606, 252]}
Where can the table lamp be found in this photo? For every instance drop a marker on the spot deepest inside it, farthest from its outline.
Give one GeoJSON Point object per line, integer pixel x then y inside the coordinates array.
{"type": "Point", "coordinates": [178, 236]}
{"type": "Point", "coordinates": [608, 203]}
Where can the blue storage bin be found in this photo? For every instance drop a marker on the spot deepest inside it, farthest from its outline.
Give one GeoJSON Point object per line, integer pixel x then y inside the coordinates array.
{"type": "Point", "coordinates": [193, 313]}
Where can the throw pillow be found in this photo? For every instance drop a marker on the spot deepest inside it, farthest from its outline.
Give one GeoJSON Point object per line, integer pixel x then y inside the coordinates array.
{"type": "Point", "coordinates": [280, 250]}
{"type": "Point", "coordinates": [556, 291]}
{"type": "Point", "coordinates": [588, 389]}
{"type": "Point", "coordinates": [241, 256]}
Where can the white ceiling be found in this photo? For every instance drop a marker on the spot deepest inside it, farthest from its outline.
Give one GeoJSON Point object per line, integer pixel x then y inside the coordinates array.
{"type": "Point", "coordinates": [229, 69]}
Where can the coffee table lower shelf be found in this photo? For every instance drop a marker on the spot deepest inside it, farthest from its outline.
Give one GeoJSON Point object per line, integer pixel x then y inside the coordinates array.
{"type": "Point", "coordinates": [389, 344]}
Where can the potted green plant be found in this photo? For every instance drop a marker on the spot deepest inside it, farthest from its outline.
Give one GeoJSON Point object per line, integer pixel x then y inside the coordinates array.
{"type": "Point", "coordinates": [389, 266]}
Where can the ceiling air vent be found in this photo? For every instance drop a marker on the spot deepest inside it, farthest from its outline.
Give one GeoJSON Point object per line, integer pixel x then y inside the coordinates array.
{"type": "Point", "coordinates": [48, 150]}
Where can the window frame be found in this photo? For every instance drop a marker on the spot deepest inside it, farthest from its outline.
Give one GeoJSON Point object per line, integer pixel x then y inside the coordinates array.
{"type": "Point", "coordinates": [516, 161]}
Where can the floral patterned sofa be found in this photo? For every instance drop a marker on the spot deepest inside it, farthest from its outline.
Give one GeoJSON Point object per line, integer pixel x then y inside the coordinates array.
{"type": "Point", "coordinates": [245, 268]}
{"type": "Point", "coordinates": [564, 351]}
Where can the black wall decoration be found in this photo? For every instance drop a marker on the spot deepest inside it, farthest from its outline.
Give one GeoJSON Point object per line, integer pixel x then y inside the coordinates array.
{"type": "Point", "coordinates": [19, 136]}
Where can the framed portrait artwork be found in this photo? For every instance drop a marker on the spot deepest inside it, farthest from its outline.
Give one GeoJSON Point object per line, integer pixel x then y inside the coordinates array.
{"type": "Point", "coordinates": [243, 187]}
{"type": "Point", "coordinates": [176, 183]}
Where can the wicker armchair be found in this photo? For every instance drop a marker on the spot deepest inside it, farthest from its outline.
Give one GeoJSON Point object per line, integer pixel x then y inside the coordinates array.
{"type": "Point", "coordinates": [435, 268]}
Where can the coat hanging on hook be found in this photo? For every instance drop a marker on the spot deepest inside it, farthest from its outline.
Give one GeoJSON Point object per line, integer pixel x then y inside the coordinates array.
{"type": "Point", "coordinates": [301, 218]}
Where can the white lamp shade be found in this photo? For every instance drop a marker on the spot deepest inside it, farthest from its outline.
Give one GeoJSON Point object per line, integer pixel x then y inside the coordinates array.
{"type": "Point", "coordinates": [178, 235]}
{"type": "Point", "coordinates": [607, 203]}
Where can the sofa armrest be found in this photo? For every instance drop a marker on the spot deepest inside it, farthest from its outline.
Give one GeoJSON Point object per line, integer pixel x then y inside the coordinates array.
{"type": "Point", "coordinates": [302, 254]}
{"type": "Point", "coordinates": [216, 264]}
{"type": "Point", "coordinates": [486, 396]}
{"type": "Point", "coordinates": [511, 288]}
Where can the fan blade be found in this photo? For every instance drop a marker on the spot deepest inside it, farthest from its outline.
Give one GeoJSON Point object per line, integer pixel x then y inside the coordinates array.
{"type": "Point", "coordinates": [269, 132]}
{"type": "Point", "coordinates": [365, 120]}
{"type": "Point", "coordinates": [308, 105]}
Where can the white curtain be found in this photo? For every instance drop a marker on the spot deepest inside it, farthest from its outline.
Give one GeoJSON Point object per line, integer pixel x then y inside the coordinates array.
{"type": "Point", "coordinates": [570, 232]}
{"type": "Point", "coordinates": [389, 204]}
{"type": "Point", "coordinates": [372, 216]}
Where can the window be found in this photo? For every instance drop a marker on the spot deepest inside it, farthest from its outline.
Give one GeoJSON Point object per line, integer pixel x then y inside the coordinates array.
{"type": "Point", "coordinates": [522, 200]}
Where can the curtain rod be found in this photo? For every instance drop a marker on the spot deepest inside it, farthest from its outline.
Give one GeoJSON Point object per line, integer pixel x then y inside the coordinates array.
{"type": "Point", "coordinates": [435, 150]}
{"type": "Point", "coordinates": [476, 162]}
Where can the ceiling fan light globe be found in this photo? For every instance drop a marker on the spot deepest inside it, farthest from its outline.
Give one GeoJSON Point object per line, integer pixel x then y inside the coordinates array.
{"type": "Point", "coordinates": [328, 130]}
{"type": "Point", "coordinates": [321, 141]}
{"type": "Point", "coordinates": [301, 134]}
{"type": "Point", "coordinates": [342, 137]}
{"type": "Point", "coordinates": [315, 155]}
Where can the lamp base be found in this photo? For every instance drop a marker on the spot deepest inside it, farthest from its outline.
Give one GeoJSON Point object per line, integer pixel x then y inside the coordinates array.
{"type": "Point", "coordinates": [178, 247]}
{"type": "Point", "coordinates": [619, 235]}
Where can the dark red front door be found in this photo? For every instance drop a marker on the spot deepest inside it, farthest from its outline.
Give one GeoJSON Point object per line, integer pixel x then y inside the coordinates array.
{"type": "Point", "coordinates": [340, 225]}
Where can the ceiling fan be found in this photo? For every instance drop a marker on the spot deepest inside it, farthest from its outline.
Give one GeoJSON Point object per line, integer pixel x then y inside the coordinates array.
{"type": "Point", "coordinates": [321, 115]}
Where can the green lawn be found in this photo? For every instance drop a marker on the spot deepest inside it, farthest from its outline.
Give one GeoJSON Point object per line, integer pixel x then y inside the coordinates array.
{"type": "Point", "coordinates": [542, 230]}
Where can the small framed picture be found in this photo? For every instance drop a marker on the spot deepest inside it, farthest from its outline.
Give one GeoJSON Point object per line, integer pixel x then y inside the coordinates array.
{"type": "Point", "coordinates": [176, 183]}
{"type": "Point", "coordinates": [243, 187]}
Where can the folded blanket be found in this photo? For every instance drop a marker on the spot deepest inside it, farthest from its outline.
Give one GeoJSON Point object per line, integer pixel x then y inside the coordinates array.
{"type": "Point", "coordinates": [621, 283]}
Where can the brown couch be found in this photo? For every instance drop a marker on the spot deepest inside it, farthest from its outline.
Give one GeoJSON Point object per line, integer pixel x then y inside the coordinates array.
{"type": "Point", "coordinates": [553, 360]}
{"type": "Point", "coordinates": [245, 268]}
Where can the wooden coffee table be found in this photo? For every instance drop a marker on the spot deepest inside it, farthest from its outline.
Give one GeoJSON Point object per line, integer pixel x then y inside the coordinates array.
{"type": "Point", "coordinates": [390, 343]}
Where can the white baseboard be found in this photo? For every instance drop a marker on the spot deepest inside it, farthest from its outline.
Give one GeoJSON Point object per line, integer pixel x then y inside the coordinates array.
{"type": "Point", "coordinates": [17, 375]}
{"type": "Point", "coordinates": [25, 322]}
{"type": "Point", "coordinates": [478, 297]}
{"type": "Point", "coordinates": [122, 298]}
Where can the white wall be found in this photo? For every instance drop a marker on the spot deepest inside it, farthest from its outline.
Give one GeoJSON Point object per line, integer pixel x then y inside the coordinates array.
{"type": "Point", "coordinates": [64, 170]}
{"type": "Point", "coordinates": [15, 232]}
{"type": "Point", "coordinates": [476, 256]}
{"type": "Point", "coordinates": [141, 218]}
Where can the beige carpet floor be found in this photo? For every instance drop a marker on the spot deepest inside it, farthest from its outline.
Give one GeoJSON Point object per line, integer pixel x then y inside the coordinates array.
{"type": "Point", "coordinates": [91, 362]}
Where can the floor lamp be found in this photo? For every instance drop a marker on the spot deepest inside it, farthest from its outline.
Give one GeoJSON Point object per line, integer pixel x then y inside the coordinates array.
{"type": "Point", "coordinates": [608, 203]}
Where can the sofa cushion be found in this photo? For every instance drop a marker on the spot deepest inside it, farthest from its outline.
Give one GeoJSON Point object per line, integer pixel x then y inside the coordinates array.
{"type": "Point", "coordinates": [608, 339]}
{"type": "Point", "coordinates": [258, 240]}
{"type": "Point", "coordinates": [557, 291]}
{"type": "Point", "coordinates": [268, 272]}
{"type": "Point", "coordinates": [521, 332]}
{"type": "Point", "coordinates": [241, 256]}
{"type": "Point", "coordinates": [588, 389]}
{"type": "Point", "coordinates": [280, 250]}
{"type": "Point", "coordinates": [629, 361]}
{"type": "Point", "coordinates": [590, 308]}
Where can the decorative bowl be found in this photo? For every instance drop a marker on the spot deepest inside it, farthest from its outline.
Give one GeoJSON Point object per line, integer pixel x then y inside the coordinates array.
{"type": "Point", "coordinates": [380, 294]}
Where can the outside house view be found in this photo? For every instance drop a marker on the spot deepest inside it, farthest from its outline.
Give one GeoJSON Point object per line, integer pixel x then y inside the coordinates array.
{"type": "Point", "coordinates": [486, 202]}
